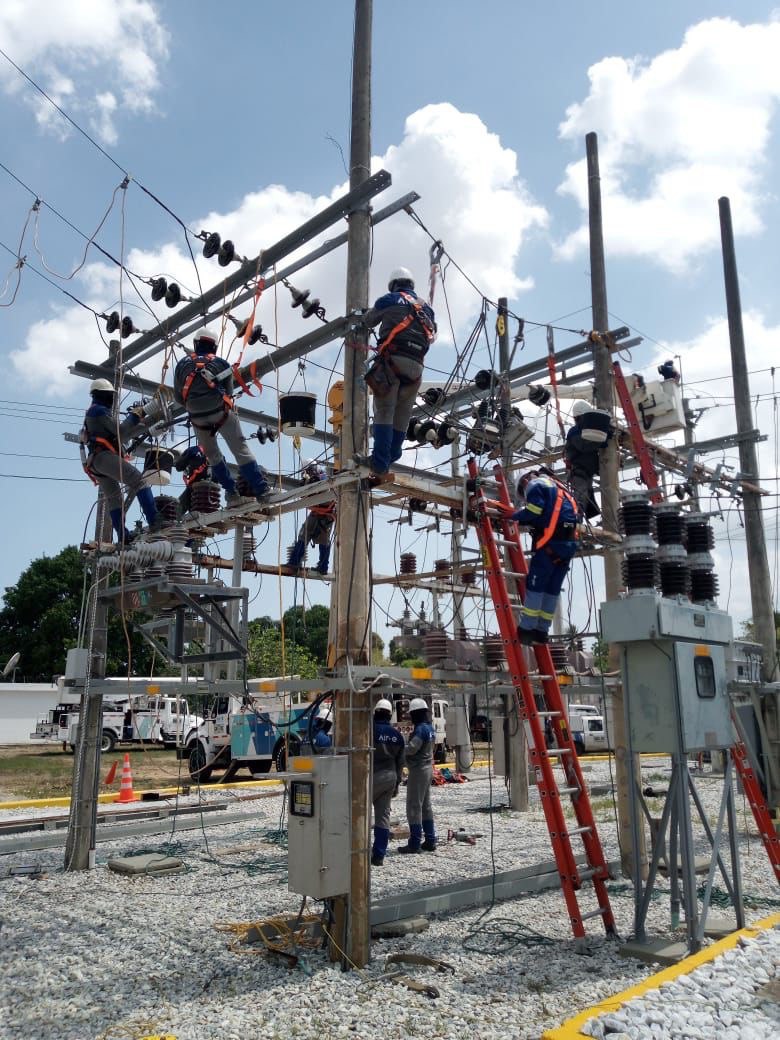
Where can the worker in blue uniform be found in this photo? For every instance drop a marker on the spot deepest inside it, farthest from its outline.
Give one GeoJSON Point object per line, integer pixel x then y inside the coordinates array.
{"type": "Point", "coordinates": [317, 526]}
{"type": "Point", "coordinates": [551, 513]}
{"type": "Point", "coordinates": [386, 775]}
{"type": "Point", "coordinates": [203, 385]}
{"type": "Point", "coordinates": [583, 460]}
{"type": "Point", "coordinates": [321, 727]}
{"type": "Point", "coordinates": [103, 438]}
{"type": "Point", "coordinates": [419, 762]}
{"type": "Point", "coordinates": [407, 327]}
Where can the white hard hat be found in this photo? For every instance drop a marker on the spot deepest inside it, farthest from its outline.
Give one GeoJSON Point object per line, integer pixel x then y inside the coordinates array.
{"type": "Point", "coordinates": [400, 274]}
{"type": "Point", "coordinates": [418, 704]}
{"type": "Point", "coordinates": [383, 705]}
{"type": "Point", "coordinates": [580, 408]}
{"type": "Point", "coordinates": [101, 384]}
{"type": "Point", "coordinates": [205, 334]}
{"type": "Point", "coordinates": [325, 712]}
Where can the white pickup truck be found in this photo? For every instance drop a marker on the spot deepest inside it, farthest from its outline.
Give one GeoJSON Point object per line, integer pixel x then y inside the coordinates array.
{"type": "Point", "coordinates": [588, 732]}
{"type": "Point", "coordinates": [139, 720]}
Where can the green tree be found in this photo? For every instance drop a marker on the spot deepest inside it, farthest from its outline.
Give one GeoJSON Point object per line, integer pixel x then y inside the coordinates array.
{"type": "Point", "coordinates": [749, 631]}
{"type": "Point", "coordinates": [309, 628]}
{"type": "Point", "coordinates": [600, 652]}
{"type": "Point", "coordinates": [266, 658]}
{"type": "Point", "coordinates": [40, 620]}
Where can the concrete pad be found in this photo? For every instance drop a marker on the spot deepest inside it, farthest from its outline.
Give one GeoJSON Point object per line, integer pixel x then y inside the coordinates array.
{"type": "Point", "coordinates": [651, 951]}
{"type": "Point", "coordinates": [701, 865]}
{"type": "Point", "coordinates": [719, 926]}
{"type": "Point", "coordinates": [397, 929]}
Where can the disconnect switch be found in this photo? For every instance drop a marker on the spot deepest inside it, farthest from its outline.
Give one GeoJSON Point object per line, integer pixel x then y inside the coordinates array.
{"type": "Point", "coordinates": [318, 830]}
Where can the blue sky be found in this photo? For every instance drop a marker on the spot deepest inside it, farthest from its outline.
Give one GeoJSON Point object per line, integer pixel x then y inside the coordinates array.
{"type": "Point", "coordinates": [229, 114]}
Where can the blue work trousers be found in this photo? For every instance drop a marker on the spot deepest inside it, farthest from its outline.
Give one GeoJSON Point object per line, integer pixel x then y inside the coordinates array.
{"type": "Point", "coordinates": [549, 566]}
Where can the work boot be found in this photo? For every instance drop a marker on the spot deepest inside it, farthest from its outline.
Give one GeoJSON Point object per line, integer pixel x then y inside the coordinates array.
{"type": "Point", "coordinates": [255, 478]}
{"type": "Point", "coordinates": [123, 536]}
{"type": "Point", "coordinates": [233, 499]}
{"type": "Point", "coordinates": [397, 445]}
{"type": "Point", "coordinates": [222, 475]}
{"type": "Point", "coordinates": [381, 454]}
{"type": "Point", "coordinates": [526, 635]}
{"type": "Point", "coordinates": [379, 848]}
{"type": "Point", "coordinates": [297, 554]}
{"type": "Point", "coordinates": [540, 636]}
{"type": "Point", "coordinates": [148, 507]}
{"type": "Point", "coordinates": [429, 845]}
{"type": "Point", "coordinates": [415, 839]}
{"type": "Point", "coordinates": [322, 566]}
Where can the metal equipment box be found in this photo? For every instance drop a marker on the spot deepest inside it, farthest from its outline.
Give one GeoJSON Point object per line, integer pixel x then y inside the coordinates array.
{"type": "Point", "coordinates": [674, 672]}
{"type": "Point", "coordinates": [318, 828]}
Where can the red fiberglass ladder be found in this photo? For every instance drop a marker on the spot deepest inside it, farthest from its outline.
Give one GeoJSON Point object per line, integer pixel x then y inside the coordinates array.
{"type": "Point", "coordinates": [739, 753]}
{"type": "Point", "coordinates": [495, 531]}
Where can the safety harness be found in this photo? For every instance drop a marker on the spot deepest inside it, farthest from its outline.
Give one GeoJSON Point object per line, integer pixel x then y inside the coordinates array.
{"type": "Point", "coordinates": [326, 509]}
{"type": "Point", "coordinates": [95, 444]}
{"type": "Point", "coordinates": [196, 474]}
{"type": "Point", "coordinates": [200, 363]}
{"type": "Point", "coordinates": [416, 313]}
{"type": "Point", "coordinates": [548, 533]}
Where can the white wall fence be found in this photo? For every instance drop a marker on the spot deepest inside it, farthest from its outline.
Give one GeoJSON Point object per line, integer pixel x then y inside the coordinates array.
{"type": "Point", "coordinates": [21, 705]}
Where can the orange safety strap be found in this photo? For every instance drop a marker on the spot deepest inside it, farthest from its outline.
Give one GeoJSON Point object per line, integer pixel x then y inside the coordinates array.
{"type": "Point", "coordinates": [251, 322]}
{"type": "Point", "coordinates": [200, 361]}
{"type": "Point", "coordinates": [198, 471]}
{"type": "Point", "coordinates": [554, 379]}
{"type": "Point", "coordinates": [560, 496]}
{"type": "Point", "coordinates": [251, 371]}
{"type": "Point", "coordinates": [328, 509]}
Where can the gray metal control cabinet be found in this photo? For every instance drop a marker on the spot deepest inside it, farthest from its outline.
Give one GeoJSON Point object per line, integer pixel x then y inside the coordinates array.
{"type": "Point", "coordinates": [318, 828]}
{"type": "Point", "coordinates": [674, 672]}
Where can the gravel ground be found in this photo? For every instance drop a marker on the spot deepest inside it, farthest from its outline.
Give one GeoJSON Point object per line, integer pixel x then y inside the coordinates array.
{"type": "Point", "coordinates": [94, 956]}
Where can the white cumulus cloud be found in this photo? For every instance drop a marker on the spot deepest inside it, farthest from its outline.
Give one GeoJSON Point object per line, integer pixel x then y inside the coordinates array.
{"type": "Point", "coordinates": [472, 197]}
{"type": "Point", "coordinates": [676, 132]}
{"type": "Point", "coordinates": [76, 50]}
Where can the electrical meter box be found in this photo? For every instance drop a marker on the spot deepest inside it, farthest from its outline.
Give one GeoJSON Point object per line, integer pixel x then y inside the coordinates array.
{"type": "Point", "coordinates": [675, 683]}
{"type": "Point", "coordinates": [76, 665]}
{"type": "Point", "coordinates": [457, 726]}
{"type": "Point", "coordinates": [318, 827]}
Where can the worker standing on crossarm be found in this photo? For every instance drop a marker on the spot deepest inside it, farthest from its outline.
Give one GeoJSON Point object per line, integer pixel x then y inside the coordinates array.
{"type": "Point", "coordinates": [103, 438]}
{"type": "Point", "coordinates": [407, 327]}
{"type": "Point", "coordinates": [419, 762]}
{"type": "Point", "coordinates": [208, 401]}
{"type": "Point", "coordinates": [317, 526]}
{"type": "Point", "coordinates": [386, 774]}
{"type": "Point", "coordinates": [551, 513]}
{"type": "Point", "coordinates": [583, 460]}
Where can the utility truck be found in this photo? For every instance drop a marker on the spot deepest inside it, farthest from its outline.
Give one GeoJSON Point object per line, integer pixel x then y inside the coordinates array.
{"type": "Point", "coordinates": [144, 719]}
{"type": "Point", "coordinates": [588, 732]}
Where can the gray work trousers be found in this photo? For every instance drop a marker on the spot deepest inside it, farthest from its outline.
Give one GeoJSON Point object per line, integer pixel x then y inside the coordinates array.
{"type": "Point", "coordinates": [382, 787]}
{"type": "Point", "coordinates": [418, 794]}
{"type": "Point", "coordinates": [111, 471]}
{"type": "Point", "coordinates": [395, 408]}
{"type": "Point", "coordinates": [315, 529]}
{"type": "Point", "coordinates": [230, 430]}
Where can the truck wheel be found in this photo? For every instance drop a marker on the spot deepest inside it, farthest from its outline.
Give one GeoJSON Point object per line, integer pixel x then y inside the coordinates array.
{"type": "Point", "coordinates": [197, 764]}
{"type": "Point", "coordinates": [260, 767]}
{"type": "Point", "coordinates": [107, 741]}
{"type": "Point", "coordinates": [280, 753]}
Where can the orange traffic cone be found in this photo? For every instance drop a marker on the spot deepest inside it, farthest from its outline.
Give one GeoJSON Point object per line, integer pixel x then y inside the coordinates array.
{"type": "Point", "coordinates": [126, 793]}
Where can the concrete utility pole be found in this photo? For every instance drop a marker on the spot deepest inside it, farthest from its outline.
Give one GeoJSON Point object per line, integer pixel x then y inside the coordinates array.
{"type": "Point", "coordinates": [350, 602]}
{"type": "Point", "coordinates": [518, 751]}
{"type": "Point", "coordinates": [758, 564]}
{"type": "Point", "coordinates": [610, 497]}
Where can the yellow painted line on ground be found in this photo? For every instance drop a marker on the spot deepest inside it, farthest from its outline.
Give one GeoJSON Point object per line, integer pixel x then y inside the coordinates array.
{"type": "Point", "coordinates": [570, 1030]}
{"type": "Point", "coordinates": [111, 796]}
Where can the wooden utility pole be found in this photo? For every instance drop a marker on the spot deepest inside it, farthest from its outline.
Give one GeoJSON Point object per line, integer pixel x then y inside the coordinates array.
{"type": "Point", "coordinates": [518, 751]}
{"type": "Point", "coordinates": [610, 498]}
{"type": "Point", "coordinates": [350, 601]}
{"type": "Point", "coordinates": [758, 564]}
{"type": "Point", "coordinates": [82, 824]}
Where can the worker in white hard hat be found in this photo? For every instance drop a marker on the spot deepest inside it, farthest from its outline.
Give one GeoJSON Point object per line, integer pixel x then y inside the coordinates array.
{"type": "Point", "coordinates": [583, 459]}
{"type": "Point", "coordinates": [201, 385]}
{"type": "Point", "coordinates": [419, 762]}
{"type": "Point", "coordinates": [103, 438]}
{"type": "Point", "coordinates": [321, 727]}
{"type": "Point", "coordinates": [317, 526]}
{"type": "Point", "coordinates": [386, 774]}
{"type": "Point", "coordinates": [407, 327]}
